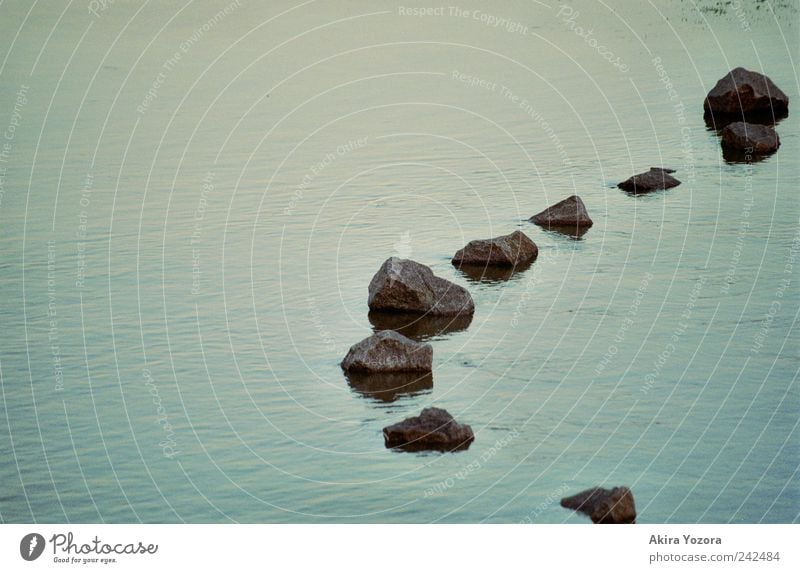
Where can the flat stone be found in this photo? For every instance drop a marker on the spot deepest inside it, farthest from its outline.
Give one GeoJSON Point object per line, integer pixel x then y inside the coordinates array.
{"type": "Point", "coordinates": [656, 178]}
{"type": "Point", "coordinates": [388, 351]}
{"type": "Point", "coordinates": [570, 213]}
{"type": "Point", "coordinates": [434, 429]}
{"type": "Point", "coordinates": [604, 505]}
{"type": "Point", "coordinates": [403, 285]}
{"type": "Point", "coordinates": [505, 251]}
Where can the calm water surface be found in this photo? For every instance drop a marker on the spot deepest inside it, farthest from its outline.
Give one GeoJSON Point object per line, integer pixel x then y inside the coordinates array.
{"type": "Point", "coordinates": [193, 203]}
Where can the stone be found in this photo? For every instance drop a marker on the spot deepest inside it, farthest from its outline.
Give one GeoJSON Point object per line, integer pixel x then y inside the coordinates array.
{"type": "Point", "coordinates": [750, 138]}
{"type": "Point", "coordinates": [388, 351]}
{"type": "Point", "coordinates": [434, 429]}
{"type": "Point", "coordinates": [656, 178]}
{"type": "Point", "coordinates": [568, 214]}
{"type": "Point", "coordinates": [743, 92]}
{"type": "Point", "coordinates": [604, 505]}
{"type": "Point", "coordinates": [505, 251]}
{"type": "Point", "coordinates": [403, 285]}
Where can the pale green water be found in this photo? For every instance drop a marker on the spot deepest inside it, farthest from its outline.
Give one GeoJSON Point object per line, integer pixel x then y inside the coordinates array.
{"type": "Point", "coordinates": [201, 252]}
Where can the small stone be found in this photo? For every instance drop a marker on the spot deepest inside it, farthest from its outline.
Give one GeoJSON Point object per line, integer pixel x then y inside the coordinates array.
{"type": "Point", "coordinates": [656, 178]}
{"type": "Point", "coordinates": [434, 429]}
{"type": "Point", "coordinates": [570, 213]}
{"type": "Point", "coordinates": [604, 505]}
{"type": "Point", "coordinates": [388, 351]}
{"type": "Point", "coordinates": [505, 251]}
{"type": "Point", "coordinates": [750, 138]}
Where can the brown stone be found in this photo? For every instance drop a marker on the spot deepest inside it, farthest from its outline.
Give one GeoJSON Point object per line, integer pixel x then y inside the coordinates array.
{"type": "Point", "coordinates": [434, 429]}
{"type": "Point", "coordinates": [743, 92]}
{"type": "Point", "coordinates": [403, 285]}
{"type": "Point", "coordinates": [656, 178]}
{"type": "Point", "coordinates": [388, 351]}
{"type": "Point", "coordinates": [750, 138]}
{"type": "Point", "coordinates": [505, 251]}
{"type": "Point", "coordinates": [604, 505]}
{"type": "Point", "coordinates": [568, 214]}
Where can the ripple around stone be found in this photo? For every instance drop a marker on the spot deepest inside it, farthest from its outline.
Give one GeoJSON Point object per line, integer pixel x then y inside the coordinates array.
{"type": "Point", "coordinates": [389, 386]}
{"type": "Point", "coordinates": [418, 327]}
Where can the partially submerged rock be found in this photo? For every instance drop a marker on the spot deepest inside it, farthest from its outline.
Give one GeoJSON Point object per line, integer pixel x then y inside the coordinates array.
{"type": "Point", "coordinates": [418, 326]}
{"type": "Point", "coordinates": [504, 251]}
{"type": "Point", "coordinates": [403, 285]}
{"type": "Point", "coordinates": [745, 93]}
{"type": "Point", "coordinates": [750, 138]}
{"type": "Point", "coordinates": [604, 505]}
{"type": "Point", "coordinates": [434, 429]}
{"type": "Point", "coordinates": [656, 178]}
{"type": "Point", "coordinates": [388, 351]}
{"type": "Point", "coordinates": [389, 386]}
{"type": "Point", "coordinates": [568, 216]}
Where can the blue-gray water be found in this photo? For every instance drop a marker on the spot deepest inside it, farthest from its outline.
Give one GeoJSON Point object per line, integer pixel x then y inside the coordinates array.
{"type": "Point", "coordinates": [195, 196]}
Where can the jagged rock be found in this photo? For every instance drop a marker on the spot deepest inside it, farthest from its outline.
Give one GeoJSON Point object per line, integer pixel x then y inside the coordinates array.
{"type": "Point", "coordinates": [403, 285]}
{"type": "Point", "coordinates": [604, 505]}
{"type": "Point", "coordinates": [743, 92]}
{"type": "Point", "coordinates": [750, 138]}
{"type": "Point", "coordinates": [434, 429]}
{"type": "Point", "coordinates": [388, 351]}
{"type": "Point", "coordinates": [505, 251]}
{"type": "Point", "coordinates": [656, 178]}
{"type": "Point", "coordinates": [567, 214]}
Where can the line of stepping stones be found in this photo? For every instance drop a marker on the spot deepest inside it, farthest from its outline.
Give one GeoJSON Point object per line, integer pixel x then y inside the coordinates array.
{"type": "Point", "coordinates": [403, 288]}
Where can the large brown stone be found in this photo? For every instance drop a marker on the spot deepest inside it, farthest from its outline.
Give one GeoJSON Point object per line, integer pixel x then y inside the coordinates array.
{"type": "Point", "coordinates": [750, 138]}
{"type": "Point", "coordinates": [604, 505]}
{"type": "Point", "coordinates": [656, 178]}
{"type": "Point", "coordinates": [434, 429]}
{"type": "Point", "coordinates": [743, 92]}
{"type": "Point", "coordinates": [505, 251]}
{"type": "Point", "coordinates": [403, 285]}
{"type": "Point", "coordinates": [568, 214]}
{"type": "Point", "coordinates": [388, 351]}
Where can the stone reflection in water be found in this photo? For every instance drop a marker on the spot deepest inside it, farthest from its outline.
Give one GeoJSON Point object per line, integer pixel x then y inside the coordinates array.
{"type": "Point", "coordinates": [418, 326]}
{"type": "Point", "coordinates": [389, 386]}
{"type": "Point", "coordinates": [491, 274]}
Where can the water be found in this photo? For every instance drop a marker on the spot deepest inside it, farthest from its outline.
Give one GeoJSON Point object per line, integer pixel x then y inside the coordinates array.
{"type": "Point", "coordinates": [193, 205]}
